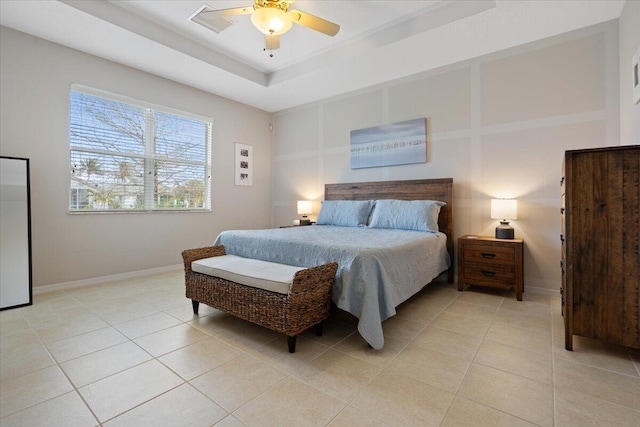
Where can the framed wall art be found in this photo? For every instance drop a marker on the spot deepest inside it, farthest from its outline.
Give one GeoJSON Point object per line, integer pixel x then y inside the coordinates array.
{"type": "Point", "coordinates": [244, 164]}
{"type": "Point", "coordinates": [388, 145]}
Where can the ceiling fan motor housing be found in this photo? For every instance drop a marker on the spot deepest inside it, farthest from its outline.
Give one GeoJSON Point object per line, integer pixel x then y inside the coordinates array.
{"type": "Point", "coordinates": [280, 4]}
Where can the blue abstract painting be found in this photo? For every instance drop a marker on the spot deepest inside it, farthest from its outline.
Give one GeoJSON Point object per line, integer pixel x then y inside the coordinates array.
{"type": "Point", "coordinates": [400, 143]}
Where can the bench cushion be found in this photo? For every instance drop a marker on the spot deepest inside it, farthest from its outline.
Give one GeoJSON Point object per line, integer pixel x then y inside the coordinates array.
{"type": "Point", "coordinates": [269, 276]}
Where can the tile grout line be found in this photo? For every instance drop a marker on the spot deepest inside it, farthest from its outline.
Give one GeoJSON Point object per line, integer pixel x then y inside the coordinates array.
{"type": "Point", "coordinates": [553, 367]}
{"type": "Point", "coordinates": [57, 364]}
{"type": "Point", "coordinates": [381, 368]}
{"type": "Point", "coordinates": [471, 363]}
{"type": "Point", "coordinates": [501, 370]}
{"type": "Point", "coordinates": [359, 390]}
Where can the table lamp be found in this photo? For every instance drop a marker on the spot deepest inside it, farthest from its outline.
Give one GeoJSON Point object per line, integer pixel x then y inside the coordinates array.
{"type": "Point", "coordinates": [305, 207]}
{"type": "Point", "coordinates": [504, 209]}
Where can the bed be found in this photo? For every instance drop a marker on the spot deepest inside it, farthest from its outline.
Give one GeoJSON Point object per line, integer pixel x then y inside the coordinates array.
{"type": "Point", "coordinates": [379, 268]}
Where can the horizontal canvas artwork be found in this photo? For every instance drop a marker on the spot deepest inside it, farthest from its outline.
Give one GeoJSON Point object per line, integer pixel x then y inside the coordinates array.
{"type": "Point", "coordinates": [395, 144]}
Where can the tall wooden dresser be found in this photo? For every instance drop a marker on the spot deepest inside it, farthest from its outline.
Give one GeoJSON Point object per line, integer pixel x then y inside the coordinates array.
{"type": "Point", "coordinates": [601, 245]}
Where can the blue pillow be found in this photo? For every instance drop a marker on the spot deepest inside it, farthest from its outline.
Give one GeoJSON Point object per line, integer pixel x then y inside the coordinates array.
{"type": "Point", "coordinates": [418, 215]}
{"type": "Point", "coordinates": [345, 213]}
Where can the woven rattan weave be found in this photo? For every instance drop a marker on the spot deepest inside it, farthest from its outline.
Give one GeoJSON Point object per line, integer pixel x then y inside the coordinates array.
{"type": "Point", "coordinates": [306, 305]}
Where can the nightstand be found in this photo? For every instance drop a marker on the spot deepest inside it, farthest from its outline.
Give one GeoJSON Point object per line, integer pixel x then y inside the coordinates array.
{"type": "Point", "coordinates": [496, 263]}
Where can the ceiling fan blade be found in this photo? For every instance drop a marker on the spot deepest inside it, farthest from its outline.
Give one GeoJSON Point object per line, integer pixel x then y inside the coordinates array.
{"type": "Point", "coordinates": [271, 42]}
{"type": "Point", "coordinates": [313, 22]}
{"type": "Point", "coordinates": [218, 19]}
{"type": "Point", "coordinates": [234, 11]}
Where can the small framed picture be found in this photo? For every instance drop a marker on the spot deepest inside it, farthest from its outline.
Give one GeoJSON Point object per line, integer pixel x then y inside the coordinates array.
{"type": "Point", "coordinates": [244, 165]}
{"type": "Point", "coordinates": [635, 68]}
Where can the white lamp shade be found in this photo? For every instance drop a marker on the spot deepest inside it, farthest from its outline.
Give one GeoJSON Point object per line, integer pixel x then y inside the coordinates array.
{"type": "Point", "coordinates": [305, 207]}
{"type": "Point", "coordinates": [271, 21]}
{"type": "Point", "coordinates": [504, 209]}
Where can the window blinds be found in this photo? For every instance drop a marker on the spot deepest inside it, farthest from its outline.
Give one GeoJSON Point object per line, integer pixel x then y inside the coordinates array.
{"type": "Point", "coordinates": [131, 156]}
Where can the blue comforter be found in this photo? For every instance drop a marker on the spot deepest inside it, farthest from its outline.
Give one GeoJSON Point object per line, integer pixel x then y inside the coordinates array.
{"type": "Point", "coordinates": [378, 269]}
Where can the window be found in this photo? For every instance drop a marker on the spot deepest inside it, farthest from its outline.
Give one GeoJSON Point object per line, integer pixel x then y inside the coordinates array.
{"type": "Point", "coordinates": [128, 156]}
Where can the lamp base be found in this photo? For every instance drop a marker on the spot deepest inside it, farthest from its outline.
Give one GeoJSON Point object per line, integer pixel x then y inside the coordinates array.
{"type": "Point", "coordinates": [504, 231]}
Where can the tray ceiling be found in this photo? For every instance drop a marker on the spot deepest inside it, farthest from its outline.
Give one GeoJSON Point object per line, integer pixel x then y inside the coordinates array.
{"type": "Point", "coordinates": [378, 40]}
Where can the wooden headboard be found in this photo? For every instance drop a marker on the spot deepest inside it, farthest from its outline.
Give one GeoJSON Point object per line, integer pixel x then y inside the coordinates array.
{"type": "Point", "coordinates": [417, 189]}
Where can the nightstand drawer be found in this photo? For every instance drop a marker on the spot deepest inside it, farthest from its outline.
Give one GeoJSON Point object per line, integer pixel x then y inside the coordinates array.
{"type": "Point", "coordinates": [489, 274]}
{"type": "Point", "coordinates": [496, 263]}
{"type": "Point", "coordinates": [492, 254]}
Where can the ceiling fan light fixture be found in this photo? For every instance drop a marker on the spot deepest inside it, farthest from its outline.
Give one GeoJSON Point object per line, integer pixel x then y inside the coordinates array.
{"type": "Point", "coordinates": [271, 21]}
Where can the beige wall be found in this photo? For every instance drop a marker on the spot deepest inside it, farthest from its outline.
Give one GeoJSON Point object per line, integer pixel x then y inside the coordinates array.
{"type": "Point", "coordinates": [497, 124]}
{"type": "Point", "coordinates": [629, 45]}
{"type": "Point", "coordinates": [35, 80]}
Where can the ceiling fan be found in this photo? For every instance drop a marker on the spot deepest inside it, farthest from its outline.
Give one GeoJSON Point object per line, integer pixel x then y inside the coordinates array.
{"type": "Point", "coordinates": [271, 17]}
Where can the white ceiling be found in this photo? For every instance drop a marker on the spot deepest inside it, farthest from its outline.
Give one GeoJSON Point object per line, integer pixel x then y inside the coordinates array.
{"type": "Point", "coordinates": [378, 40]}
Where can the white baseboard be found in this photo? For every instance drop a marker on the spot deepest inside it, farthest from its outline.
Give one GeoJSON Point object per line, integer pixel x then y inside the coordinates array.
{"type": "Point", "coordinates": [542, 291]}
{"type": "Point", "coordinates": [150, 272]}
{"type": "Point", "coordinates": [104, 279]}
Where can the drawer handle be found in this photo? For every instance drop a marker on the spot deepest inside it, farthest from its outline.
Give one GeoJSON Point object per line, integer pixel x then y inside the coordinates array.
{"type": "Point", "coordinates": [561, 210]}
{"type": "Point", "coordinates": [488, 273]}
{"type": "Point", "coordinates": [487, 255]}
{"type": "Point", "coordinates": [561, 238]}
{"type": "Point", "coordinates": [562, 180]}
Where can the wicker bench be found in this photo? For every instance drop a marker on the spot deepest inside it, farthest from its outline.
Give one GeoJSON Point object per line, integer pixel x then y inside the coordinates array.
{"type": "Point", "coordinates": [307, 303]}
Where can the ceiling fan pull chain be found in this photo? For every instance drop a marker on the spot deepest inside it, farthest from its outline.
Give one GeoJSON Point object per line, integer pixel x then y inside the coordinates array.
{"type": "Point", "coordinates": [264, 49]}
{"type": "Point", "coordinates": [270, 38]}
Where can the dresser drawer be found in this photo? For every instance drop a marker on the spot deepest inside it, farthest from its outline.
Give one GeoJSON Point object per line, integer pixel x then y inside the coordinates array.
{"type": "Point", "coordinates": [489, 274]}
{"type": "Point", "coordinates": [489, 254]}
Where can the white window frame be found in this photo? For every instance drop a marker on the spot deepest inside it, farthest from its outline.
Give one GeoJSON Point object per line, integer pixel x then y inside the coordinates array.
{"type": "Point", "coordinates": [149, 156]}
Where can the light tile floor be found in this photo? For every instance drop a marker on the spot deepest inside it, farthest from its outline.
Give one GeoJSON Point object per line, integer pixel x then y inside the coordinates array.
{"type": "Point", "coordinates": [131, 353]}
